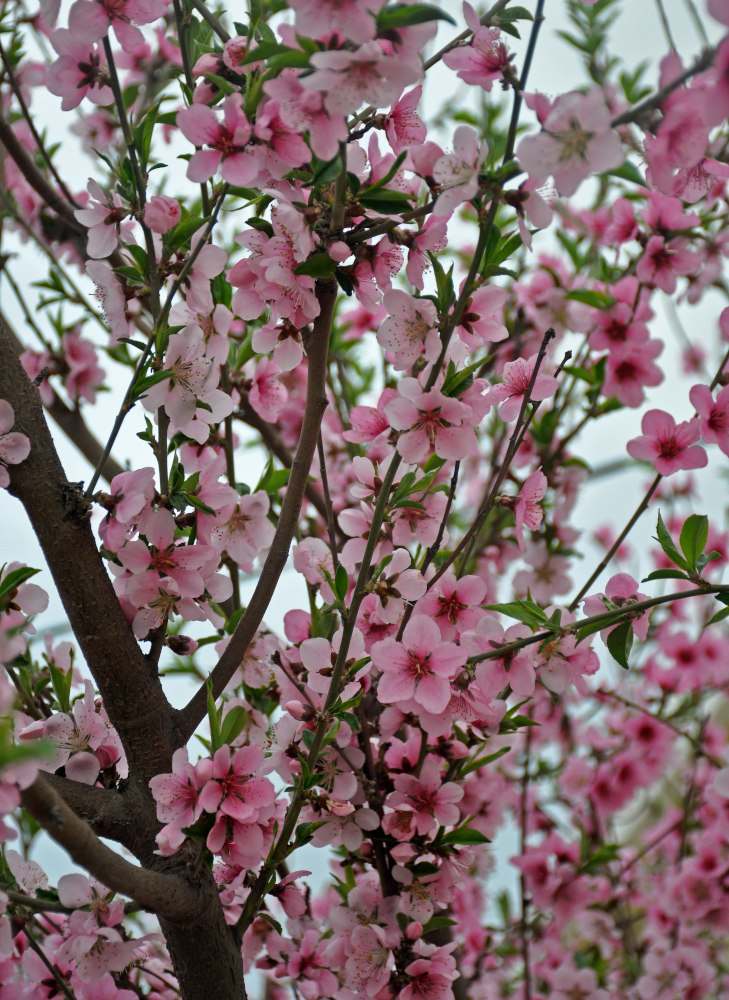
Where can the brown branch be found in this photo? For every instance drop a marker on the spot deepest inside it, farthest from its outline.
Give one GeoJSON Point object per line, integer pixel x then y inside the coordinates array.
{"type": "Point", "coordinates": [703, 62]}
{"type": "Point", "coordinates": [167, 895]}
{"type": "Point", "coordinates": [132, 693]}
{"type": "Point", "coordinates": [316, 403]}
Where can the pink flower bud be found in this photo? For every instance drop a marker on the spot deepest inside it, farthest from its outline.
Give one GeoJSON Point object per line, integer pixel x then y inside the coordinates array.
{"type": "Point", "coordinates": [295, 709]}
{"type": "Point", "coordinates": [414, 930]}
{"type": "Point", "coordinates": [161, 213]}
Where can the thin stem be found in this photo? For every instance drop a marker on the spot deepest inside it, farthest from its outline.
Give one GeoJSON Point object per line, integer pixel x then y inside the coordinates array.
{"type": "Point", "coordinates": [53, 969]}
{"type": "Point", "coordinates": [523, 830]}
{"type": "Point", "coordinates": [605, 620]}
{"type": "Point", "coordinates": [519, 92]}
{"type": "Point", "coordinates": [665, 25]}
{"type": "Point", "coordinates": [331, 529]}
{"type": "Point", "coordinates": [211, 19]}
{"type": "Point", "coordinates": [698, 23]}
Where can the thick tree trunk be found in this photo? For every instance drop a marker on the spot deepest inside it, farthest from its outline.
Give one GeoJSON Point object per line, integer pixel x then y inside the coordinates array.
{"type": "Point", "coordinates": [206, 952]}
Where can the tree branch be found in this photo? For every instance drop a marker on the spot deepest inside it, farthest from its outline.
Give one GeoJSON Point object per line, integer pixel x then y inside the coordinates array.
{"type": "Point", "coordinates": [316, 403]}
{"type": "Point", "coordinates": [167, 895]}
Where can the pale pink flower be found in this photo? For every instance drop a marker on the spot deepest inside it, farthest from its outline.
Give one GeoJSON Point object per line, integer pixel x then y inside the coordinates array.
{"type": "Point", "coordinates": [630, 369]}
{"type": "Point", "coordinates": [668, 446]}
{"type": "Point", "coordinates": [177, 794]}
{"type": "Point", "coordinates": [90, 20]}
{"type": "Point", "coordinates": [80, 71]}
{"type": "Point", "coordinates": [248, 533]}
{"type": "Point", "coordinates": [482, 320]}
{"type": "Point", "coordinates": [14, 446]}
{"type": "Point", "coordinates": [304, 111]}
{"type": "Point", "coordinates": [235, 789]}
{"type": "Point", "coordinates": [484, 59]}
{"type": "Point", "coordinates": [527, 510]}
{"type": "Point", "coordinates": [367, 75]}
{"type": "Point", "coordinates": [111, 296]}
{"type": "Point", "coordinates": [576, 140]}
{"type": "Point", "coordinates": [457, 172]}
{"type": "Point", "coordinates": [102, 217]}
{"type": "Point", "coordinates": [516, 377]}
{"type": "Point", "coordinates": [430, 422]}
{"type": "Point", "coordinates": [453, 604]}
{"type": "Point", "coordinates": [403, 127]}
{"type": "Point", "coordinates": [228, 141]}
{"type": "Point", "coordinates": [267, 394]}
{"type": "Point", "coordinates": [417, 671]}
{"type": "Point", "coordinates": [409, 328]}
{"type": "Point", "coordinates": [431, 801]}
{"type": "Point", "coordinates": [621, 591]}
{"type": "Point", "coordinates": [352, 19]}
{"type": "Point", "coordinates": [162, 213]}
{"type": "Point", "coordinates": [85, 375]}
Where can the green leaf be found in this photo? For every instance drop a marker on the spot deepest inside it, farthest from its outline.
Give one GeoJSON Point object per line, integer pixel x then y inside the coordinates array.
{"type": "Point", "coordinates": [524, 611]}
{"type": "Point", "coordinates": [197, 503]}
{"type": "Point", "coordinates": [213, 717]}
{"type": "Point", "coordinates": [718, 617]}
{"type": "Point", "coordinates": [14, 579]}
{"type": "Point", "coordinates": [479, 762]}
{"type": "Point", "coordinates": [140, 387]}
{"type": "Point", "coordinates": [386, 202]}
{"type": "Point", "coordinates": [262, 52]}
{"type": "Point", "coordinates": [402, 15]}
{"type": "Point", "coordinates": [341, 582]}
{"type": "Point", "coordinates": [598, 300]}
{"type": "Point", "coordinates": [319, 265]}
{"type": "Point", "coordinates": [436, 923]}
{"type": "Point", "coordinates": [663, 537]}
{"type": "Point", "coordinates": [233, 724]}
{"type": "Point", "coordinates": [464, 835]}
{"type": "Point", "coordinates": [62, 686]}
{"type": "Point", "coordinates": [619, 643]}
{"type": "Point", "coordinates": [664, 574]}
{"type": "Point", "coordinates": [182, 233]}
{"type": "Point", "coordinates": [694, 535]}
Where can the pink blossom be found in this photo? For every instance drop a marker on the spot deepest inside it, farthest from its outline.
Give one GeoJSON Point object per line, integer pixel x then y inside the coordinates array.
{"type": "Point", "coordinates": [248, 532]}
{"type": "Point", "coordinates": [178, 795]}
{"type": "Point", "coordinates": [668, 446]}
{"type": "Point", "coordinates": [576, 140]}
{"type": "Point", "coordinates": [402, 124]}
{"type": "Point", "coordinates": [457, 172]}
{"type": "Point", "coordinates": [80, 71]}
{"type": "Point", "coordinates": [431, 801]}
{"type": "Point", "coordinates": [348, 18]}
{"type": "Point", "coordinates": [267, 394]}
{"type": "Point", "coordinates": [409, 327]}
{"type": "Point", "coordinates": [664, 260]}
{"type": "Point", "coordinates": [630, 369]}
{"type": "Point", "coordinates": [303, 111]}
{"type": "Point", "coordinates": [111, 296]}
{"type": "Point", "coordinates": [528, 511]}
{"type": "Point", "coordinates": [162, 213]}
{"type": "Point", "coordinates": [484, 59]}
{"type": "Point", "coordinates": [102, 218]}
{"type": "Point", "coordinates": [418, 670]}
{"type": "Point", "coordinates": [453, 604]}
{"type": "Point", "coordinates": [14, 446]}
{"type": "Point", "coordinates": [90, 20]}
{"type": "Point", "coordinates": [228, 141]}
{"type": "Point", "coordinates": [621, 591]}
{"type": "Point", "coordinates": [516, 377]}
{"type": "Point", "coordinates": [430, 422]}
{"type": "Point", "coordinates": [349, 79]}
{"type": "Point", "coordinates": [713, 415]}
{"type": "Point", "coordinates": [85, 375]}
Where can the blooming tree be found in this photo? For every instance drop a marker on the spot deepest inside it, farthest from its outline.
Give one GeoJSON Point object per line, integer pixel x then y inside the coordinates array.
{"type": "Point", "coordinates": [418, 327]}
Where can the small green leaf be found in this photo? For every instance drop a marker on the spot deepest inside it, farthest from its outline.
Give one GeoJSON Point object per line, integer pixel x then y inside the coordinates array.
{"type": "Point", "coordinates": [718, 617]}
{"type": "Point", "coordinates": [402, 15]}
{"type": "Point", "coordinates": [664, 574]}
{"type": "Point", "coordinates": [142, 385]}
{"type": "Point", "coordinates": [213, 717]}
{"type": "Point", "coordinates": [694, 535]}
{"type": "Point", "coordinates": [619, 643]}
{"type": "Point", "coordinates": [479, 762]}
{"type": "Point", "coordinates": [197, 503]}
{"type": "Point", "coordinates": [14, 579]}
{"type": "Point", "coordinates": [319, 265]}
{"type": "Point", "coordinates": [668, 545]}
{"type": "Point", "coordinates": [464, 835]}
{"type": "Point", "coordinates": [386, 202]}
{"type": "Point", "coordinates": [233, 724]}
{"type": "Point", "coordinates": [598, 300]}
{"type": "Point", "coordinates": [341, 582]}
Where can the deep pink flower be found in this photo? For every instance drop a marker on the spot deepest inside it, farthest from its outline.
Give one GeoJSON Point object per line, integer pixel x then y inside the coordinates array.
{"type": "Point", "coordinates": [80, 71]}
{"type": "Point", "coordinates": [630, 369]}
{"type": "Point", "coordinates": [668, 446]}
{"type": "Point", "coordinates": [403, 127]}
{"type": "Point", "coordinates": [453, 604]}
{"type": "Point", "coordinates": [162, 213]}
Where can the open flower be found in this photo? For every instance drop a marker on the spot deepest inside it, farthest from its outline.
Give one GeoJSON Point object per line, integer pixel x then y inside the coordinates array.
{"type": "Point", "coordinates": [669, 446]}
{"type": "Point", "coordinates": [14, 446]}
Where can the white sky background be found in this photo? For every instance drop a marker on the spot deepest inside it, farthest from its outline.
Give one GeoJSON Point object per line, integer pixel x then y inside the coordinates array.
{"type": "Point", "coordinates": [556, 68]}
